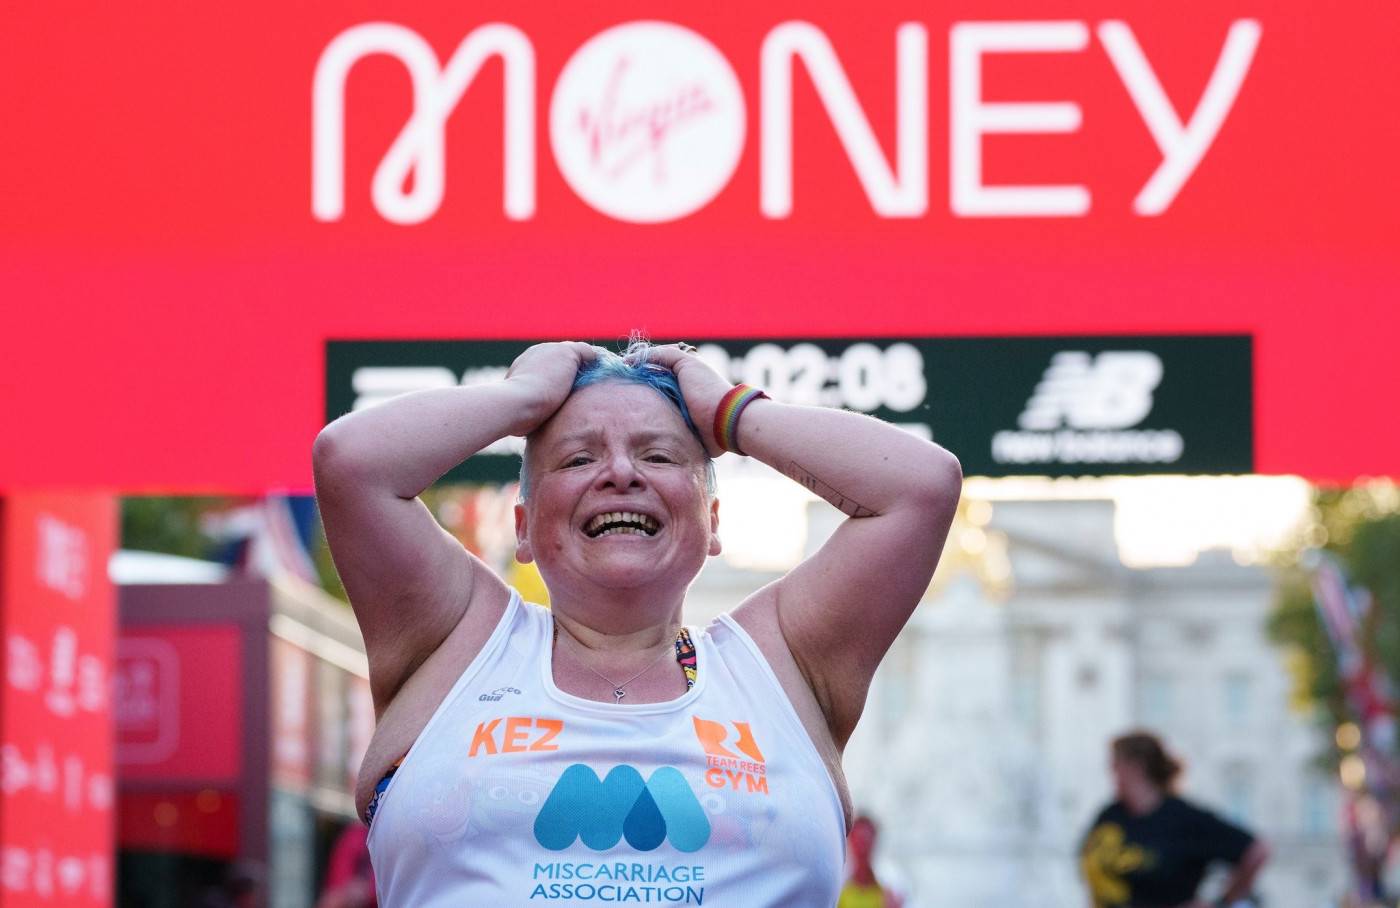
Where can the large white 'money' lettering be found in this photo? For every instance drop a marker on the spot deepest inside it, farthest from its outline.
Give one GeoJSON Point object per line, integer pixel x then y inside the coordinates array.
{"type": "Point", "coordinates": [894, 195]}
{"type": "Point", "coordinates": [973, 118]}
{"type": "Point", "coordinates": [1182, 146]}
{"type": "Point", "coordinates": [419, 146]}
{"type": "Point", "coordinates": [898, 191]}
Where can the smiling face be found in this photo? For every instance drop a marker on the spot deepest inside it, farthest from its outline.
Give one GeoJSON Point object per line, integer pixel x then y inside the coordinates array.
{"type": "Point", "coordinates": [617, 495]}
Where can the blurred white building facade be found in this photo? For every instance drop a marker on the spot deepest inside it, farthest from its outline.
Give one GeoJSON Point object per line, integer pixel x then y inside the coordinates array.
{"type": "Point", "coordinates": [983, 753]}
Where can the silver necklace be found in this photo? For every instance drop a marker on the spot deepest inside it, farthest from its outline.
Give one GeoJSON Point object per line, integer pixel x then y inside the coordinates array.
{"type": "Point", "coordinates": [619, 690]}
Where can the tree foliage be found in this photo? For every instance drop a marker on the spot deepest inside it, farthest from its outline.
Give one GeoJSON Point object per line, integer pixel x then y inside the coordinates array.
{"type": "Point", "coordinates": [168, 524]}
{"type": "Point", "coordinates": [174, 525]}
{"type": "Point", "coordinates": [1360, 526]}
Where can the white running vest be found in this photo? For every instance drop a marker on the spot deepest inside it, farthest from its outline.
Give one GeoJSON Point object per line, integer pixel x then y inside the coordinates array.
{"type": "Point", "coordinates": [517, 793]}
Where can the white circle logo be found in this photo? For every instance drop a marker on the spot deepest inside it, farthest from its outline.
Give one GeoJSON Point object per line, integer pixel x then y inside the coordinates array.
{"type": "Point", "coordinates": [647, 122]}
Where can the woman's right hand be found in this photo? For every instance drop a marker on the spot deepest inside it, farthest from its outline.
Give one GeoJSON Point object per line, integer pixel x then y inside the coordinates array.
{"type": "Point", "coordinates": [546, 373]}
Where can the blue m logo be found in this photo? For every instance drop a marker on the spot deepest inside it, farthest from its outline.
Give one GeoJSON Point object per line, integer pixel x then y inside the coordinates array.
{"type": "Point", "coordinates": [600, 812]}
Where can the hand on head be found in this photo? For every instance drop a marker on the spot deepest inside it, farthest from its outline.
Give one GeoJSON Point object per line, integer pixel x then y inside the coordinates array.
{"type": "Point", "coordinates": [701, 386]}
{"type": "Point", "coordinates": [548, 372]}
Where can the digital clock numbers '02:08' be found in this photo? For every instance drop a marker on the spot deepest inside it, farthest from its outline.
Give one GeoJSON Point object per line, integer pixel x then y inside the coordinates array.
{"type": "Point", "coordinates": [861, 377]}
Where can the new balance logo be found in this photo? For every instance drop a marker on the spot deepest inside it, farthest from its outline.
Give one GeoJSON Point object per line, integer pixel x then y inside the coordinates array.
{"type": "Point", "coordinates": [1084, 410]}
{"type": "Point", "coordinates": [1109, 391]}
{"type": "Point", "coordinates": [620, 806]}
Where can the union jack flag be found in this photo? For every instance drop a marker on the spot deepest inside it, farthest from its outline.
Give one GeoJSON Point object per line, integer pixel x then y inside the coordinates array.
{"type": "Point", "coordinates": [1342, 609]}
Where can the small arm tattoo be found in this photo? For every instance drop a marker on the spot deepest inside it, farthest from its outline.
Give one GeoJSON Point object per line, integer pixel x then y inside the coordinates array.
{"type": "Point", "coordinates": [801, 474]}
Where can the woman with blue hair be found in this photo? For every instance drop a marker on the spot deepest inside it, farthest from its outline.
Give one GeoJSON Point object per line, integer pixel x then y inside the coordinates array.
{"type": "Point", "coordinates": [600, 750]}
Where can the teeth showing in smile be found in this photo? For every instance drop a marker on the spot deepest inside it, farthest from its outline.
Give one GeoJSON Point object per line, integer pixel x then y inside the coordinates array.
{"type": "Point", "coordinates": [621, 522]}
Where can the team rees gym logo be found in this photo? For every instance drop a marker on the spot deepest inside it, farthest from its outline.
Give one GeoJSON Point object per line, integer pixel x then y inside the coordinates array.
{"type": "Point", "coordinates": [746, 770]}
{"type": "Point", "coordinates": [1084, 409]}
{"type": "Point", "coordinates": [622, 806]}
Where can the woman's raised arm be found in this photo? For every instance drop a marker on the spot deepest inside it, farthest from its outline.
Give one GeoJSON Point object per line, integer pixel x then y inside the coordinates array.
{"type": "Point", "coordinates": [840, 610]}
{"type": "Point", "coordinates": [408, 580]}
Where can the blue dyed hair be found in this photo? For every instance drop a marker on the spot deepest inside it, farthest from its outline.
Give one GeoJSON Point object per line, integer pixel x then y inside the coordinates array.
{"type": "Point", "coordinates": [612, 367]}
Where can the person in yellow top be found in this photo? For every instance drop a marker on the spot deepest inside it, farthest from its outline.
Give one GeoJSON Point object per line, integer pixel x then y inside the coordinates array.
{"type": "Point", "coordinates": [862, 889]}
{"type": "Point", "coordinates": [1150, 848]}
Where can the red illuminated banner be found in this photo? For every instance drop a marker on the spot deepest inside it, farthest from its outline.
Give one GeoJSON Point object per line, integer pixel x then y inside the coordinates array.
{"type": "Point", "coordinates": [203, 197]}
{"type": "Point", "coordinates": [179, 703]}
{"type": "Point", "coordinates": [58, 619]}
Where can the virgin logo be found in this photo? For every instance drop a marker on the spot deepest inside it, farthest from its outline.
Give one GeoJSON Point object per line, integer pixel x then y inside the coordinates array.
{"type": "Point", "coordinates": [614, 135]}
{"type": "Point", "coordinates": [647, 119]}
{"type": "Point", "coordinates": [663, 135]}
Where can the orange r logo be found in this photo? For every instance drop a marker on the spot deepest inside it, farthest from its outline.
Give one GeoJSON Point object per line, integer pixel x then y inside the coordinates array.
{"type": "Point", "coordinates": [713, 734]}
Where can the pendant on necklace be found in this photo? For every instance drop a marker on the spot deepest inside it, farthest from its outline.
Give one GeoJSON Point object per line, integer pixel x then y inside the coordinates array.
{"type": "Point", "coordinates": [619, 694]}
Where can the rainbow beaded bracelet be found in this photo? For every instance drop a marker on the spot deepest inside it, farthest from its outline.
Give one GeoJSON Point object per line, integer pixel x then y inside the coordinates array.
{"type": "Point", "coordinates": [727, 415]}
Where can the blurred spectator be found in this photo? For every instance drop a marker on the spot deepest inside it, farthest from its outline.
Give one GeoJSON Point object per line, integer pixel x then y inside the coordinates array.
{"type": "Point", "coordinates": [1150, 849]}
{"type": "Point", "coordinates": [349, 876]}
{"type": "Point", "coordinates": [862, 888]}
{"type": "Point", "coordinates": [241, 888]}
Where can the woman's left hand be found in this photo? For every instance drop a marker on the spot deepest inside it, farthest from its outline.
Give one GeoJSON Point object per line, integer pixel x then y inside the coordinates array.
{"type": "Point", "coordinates": [701, 386]}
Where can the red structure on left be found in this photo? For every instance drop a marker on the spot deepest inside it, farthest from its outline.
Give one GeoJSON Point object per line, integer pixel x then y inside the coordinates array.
{"type": "Point", "coordinates": [58, 619]}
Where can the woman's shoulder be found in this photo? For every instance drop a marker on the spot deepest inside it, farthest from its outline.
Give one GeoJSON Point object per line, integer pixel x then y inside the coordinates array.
{"type": "Point", "coordinates": [1190, 810]}
{"type": "Point", "coordinates": [1113, 811]}
{"type": "Point", "coordinates": [729, 635]}
{"type": "Point", "coordinates": [1180, 806]}
{"type": "Point", "coordinates": [720, 627]}
{"type": "Point", "coordinates": [529, 611]}
{"type": "Point", "coordinates": [523, 620]}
